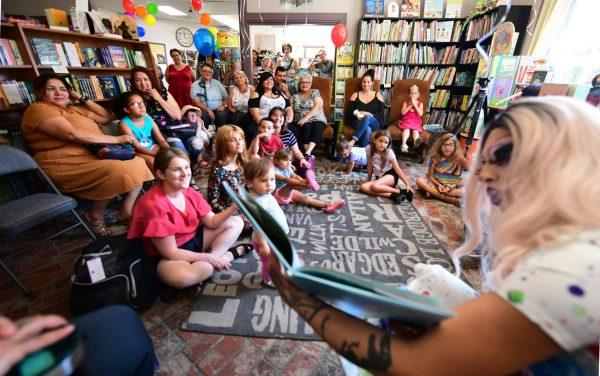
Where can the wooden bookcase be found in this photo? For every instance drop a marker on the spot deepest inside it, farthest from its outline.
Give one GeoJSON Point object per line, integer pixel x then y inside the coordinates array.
{"type": "Point", "coordinates": [11, 115]}
{"type": "Point", "coordinates": [408, 51]}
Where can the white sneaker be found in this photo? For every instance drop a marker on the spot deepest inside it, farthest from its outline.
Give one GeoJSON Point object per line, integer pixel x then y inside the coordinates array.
{"type": "Point", "coordinates": [404, 148]}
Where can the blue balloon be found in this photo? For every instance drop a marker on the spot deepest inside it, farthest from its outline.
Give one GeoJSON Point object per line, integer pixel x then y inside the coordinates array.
{"type": "Point", "coordinates": [204, 41]}
{"type": "Point", "coordinates": [218, 54]}
{"type": "Point", "coordinates": [141, 31]}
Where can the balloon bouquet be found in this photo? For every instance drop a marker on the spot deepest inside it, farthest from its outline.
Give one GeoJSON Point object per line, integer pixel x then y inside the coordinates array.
{"type": "Point", "coordinates": [147, 12]}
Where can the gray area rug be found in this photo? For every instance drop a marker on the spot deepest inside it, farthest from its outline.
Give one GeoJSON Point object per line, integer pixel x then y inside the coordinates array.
{"type": "Point", "coordinates": [370, 236]}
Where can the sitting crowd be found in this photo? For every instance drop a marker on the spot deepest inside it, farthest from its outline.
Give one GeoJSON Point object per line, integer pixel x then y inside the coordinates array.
{"type": "Point", "coordinates": [264, 142]}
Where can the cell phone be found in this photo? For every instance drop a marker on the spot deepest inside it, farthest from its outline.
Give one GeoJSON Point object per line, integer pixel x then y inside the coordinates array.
{"type": "Point", "coordinates": [59, 359]}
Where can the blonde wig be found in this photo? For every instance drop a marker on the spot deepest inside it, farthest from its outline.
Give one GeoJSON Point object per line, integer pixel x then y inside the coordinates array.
{"type": "Point", "coordinates": [436, 151]}
{"type": "Point", "coordinates": [550, 183]}
{"type": "Point", "coordinates": [223, 134]}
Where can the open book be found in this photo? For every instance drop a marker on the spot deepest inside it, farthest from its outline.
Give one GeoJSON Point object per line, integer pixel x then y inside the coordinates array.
{"type": "Point", "coordinates": [352, 294]}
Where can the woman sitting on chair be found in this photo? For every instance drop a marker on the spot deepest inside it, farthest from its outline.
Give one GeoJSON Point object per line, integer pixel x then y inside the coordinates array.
{"type": "Point", "coordinates": [366, 107]}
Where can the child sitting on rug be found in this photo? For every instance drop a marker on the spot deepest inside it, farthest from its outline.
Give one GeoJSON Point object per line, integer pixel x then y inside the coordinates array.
{"type": "Point", "coordinates": [260, 180]}
{"type": "Point", "coordinates": [265, 144]}
{"type": "Point", "coordinates": [444, 179]}
{"type": "Point", "coordinates": [382, 163]}
{"type": "Point", "coordinates": [287, 181]}
{"type": "Point", "coordinates": [349, 154]}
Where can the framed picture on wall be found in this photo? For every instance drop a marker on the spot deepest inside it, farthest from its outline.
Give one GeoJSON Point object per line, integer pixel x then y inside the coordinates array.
{"type": "Point", "coordinates": [159, 53]}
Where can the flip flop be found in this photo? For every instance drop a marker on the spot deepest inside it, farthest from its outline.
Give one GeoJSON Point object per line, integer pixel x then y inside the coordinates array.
{"type": "Point", "coordinates": [234, 250]}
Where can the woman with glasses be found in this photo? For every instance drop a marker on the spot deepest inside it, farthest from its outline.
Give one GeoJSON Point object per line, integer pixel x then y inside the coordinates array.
{"type": "Point", "coordinates": [57, 131]}
{"type": "Point", "coordinates": [210, 95]}
{"type": "Point", "coordinates": [309, 119]}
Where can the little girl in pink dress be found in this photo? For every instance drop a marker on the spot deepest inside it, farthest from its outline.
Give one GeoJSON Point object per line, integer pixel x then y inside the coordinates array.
{"type": "Point", "coordinates": [412, 111]}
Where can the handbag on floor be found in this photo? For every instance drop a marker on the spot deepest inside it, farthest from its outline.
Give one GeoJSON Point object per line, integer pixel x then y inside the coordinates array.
{"type": "Point", "coordinates": [110, 271]}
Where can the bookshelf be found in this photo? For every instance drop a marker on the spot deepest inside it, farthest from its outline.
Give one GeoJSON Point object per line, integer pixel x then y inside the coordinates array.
{"type": "Point", "coordinates": [468, 68]}
{"type": "Point", "coordinates": [100, 82]}
{"type": "Point", "coordinates": [404, 48]}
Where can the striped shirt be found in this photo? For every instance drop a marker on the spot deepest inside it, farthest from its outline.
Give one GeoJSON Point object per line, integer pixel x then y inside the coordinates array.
{"type": "Point", "coordinates": [448, 173]}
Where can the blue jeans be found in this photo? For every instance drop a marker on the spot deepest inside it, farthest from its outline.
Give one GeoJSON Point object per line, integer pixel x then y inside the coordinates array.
{"type": "Point", "coordinates": [188, 148]}
{"type": "Point", "coordinates": [116, 343]}
{"type": "Point", "coordinates": [362, 131]}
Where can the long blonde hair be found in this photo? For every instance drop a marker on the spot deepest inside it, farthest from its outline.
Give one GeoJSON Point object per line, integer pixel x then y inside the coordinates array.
{"type": "Point", "coordinates": [223, 134]}
{"type": "Point", "coordinates": [551, 182]}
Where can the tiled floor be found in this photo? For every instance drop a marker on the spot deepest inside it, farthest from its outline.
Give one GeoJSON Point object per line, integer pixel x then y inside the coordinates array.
{"type": "Point", "coordinates": [46, 270]}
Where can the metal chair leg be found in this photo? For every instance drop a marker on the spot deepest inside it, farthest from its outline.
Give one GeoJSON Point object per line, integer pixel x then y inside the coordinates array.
{"type": "Point", "coordinates": [25, 290]}
{"type": "Point", "coordinates": [82, 222]}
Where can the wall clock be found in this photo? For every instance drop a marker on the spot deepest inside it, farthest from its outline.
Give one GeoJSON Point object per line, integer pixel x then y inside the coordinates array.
{"type": "Point", "coordinates": [184, 36]}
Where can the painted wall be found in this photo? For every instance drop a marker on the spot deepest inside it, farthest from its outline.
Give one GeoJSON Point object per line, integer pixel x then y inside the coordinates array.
{"type": "Point", "coordinates": [34, 8]}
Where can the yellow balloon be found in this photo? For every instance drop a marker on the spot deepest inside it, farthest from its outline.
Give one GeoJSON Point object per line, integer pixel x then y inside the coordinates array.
{"type": "Point", "coordinates": [213, 30]}
{"type": "Point", "coordinates": [150, 20]}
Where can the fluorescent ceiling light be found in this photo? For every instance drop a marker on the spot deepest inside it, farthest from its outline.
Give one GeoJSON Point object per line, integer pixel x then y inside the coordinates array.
{"type": "Point", "coordinates": [167, 9]}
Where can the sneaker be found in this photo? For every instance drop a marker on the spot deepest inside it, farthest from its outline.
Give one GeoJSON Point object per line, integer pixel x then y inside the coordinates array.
{"type": "Point", "coordinates": [397, 198]}
{"type": "Point", "coordinates": [407, 194]}
{"type": "Point", "coordinates": [332, 207]}
{"type": "Point", "coordinates": [269, 283]}
{"type": "Point", "coordinates": [312, 182]}
{"type": "Point", "coordinates": [418, 142]}
{"type": "Point", "coordinates": [404, 148]}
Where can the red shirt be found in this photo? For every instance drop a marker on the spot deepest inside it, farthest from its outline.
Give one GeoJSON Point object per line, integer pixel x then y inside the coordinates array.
{"type": "Point", "coordinates": [154, 216]}
{"type": "Point", "coordinates": [266, 149]}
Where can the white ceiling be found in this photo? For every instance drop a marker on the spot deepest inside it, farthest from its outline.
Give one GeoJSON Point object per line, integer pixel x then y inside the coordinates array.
{"type": "Point", "coordinates": [223, 12]}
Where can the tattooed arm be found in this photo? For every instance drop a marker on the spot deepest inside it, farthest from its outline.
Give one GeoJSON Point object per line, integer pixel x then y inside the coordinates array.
{"type": "Point", "coordinates": [486, 337]}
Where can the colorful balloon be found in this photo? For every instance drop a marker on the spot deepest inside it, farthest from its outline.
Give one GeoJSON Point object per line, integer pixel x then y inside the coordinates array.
{"type": "Point", "coordinates": [197, 5]}
{"type": "Point", "coordinates": [205, 19]}
{"type": "Point", "coordinates": [152, 8]}
{"type": "Point", "coordinates": [150, 20]}
{"type": "Point", "coordinates": [141, 31]}
{"type": "Point", "coordinates": [339, 35]}
{"type": "Point", "coordinates": [141, 11]}
{"type": "Point", "coordinates": [204, 42]}
{"type": "Point", "coordinates": [213, 30]}
{"type": "Point", "coordinates": [128, 6]}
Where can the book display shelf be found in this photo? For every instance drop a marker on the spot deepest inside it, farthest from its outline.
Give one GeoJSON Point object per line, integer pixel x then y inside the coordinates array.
{"type": "Point", "coordinates": [95, 65]}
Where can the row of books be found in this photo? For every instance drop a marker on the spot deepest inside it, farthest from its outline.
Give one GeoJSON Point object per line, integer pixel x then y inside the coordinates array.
{"type": "Point", "coordinates": [387, 74]}
{"type": "Point", "coordinates": [436, 31]}
{"type": "Point", "coordinates": [48, 52]}
{"type": "Point", "coordinates": [478, 27]}
{"type": "Point", "coordinates": [431, 55]}
{"type": "Point", "coordinates": [436, 116]}
{"type": "Point", "coordinates": [439, 98]}
{"type": "Point", "coordinates": [342, 72]}
{"type": "Point", "coordinates": [99, 87]}
{"type": "Point", "coordinates": [441, 76]}
{"type": "Point", "coordinates": [464, 79]}
{"type": "Point", "coordinates": [9, 52]}
{"type": "Point", "coordinates": [469, 56]}
{"type": "Point", "coordinates": [459, 102]}
{"type": "Point", "coordinates": [16, 93]}
{"type": "Point", "coordinates": [386, 53]}
{"type": "Point", "coordinates": [385, 30]}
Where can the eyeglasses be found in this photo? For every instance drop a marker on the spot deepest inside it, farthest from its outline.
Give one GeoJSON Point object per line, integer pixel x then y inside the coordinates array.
{"type": "Point", "coordinates": [449, 145]}
{"type": "Point", "coordinates": [52, 89]}
{"type": "Point", "coordinates": [206, 71]}
{"type": "Point", "coordinates": [305, 82]}
{"type": "Point", "coordinates": [137, 104]}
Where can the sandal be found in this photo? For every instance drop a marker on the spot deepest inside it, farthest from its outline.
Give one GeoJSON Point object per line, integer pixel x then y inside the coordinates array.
{"type": "Point", "coordinates": [234, 250]}
{"type": "Point", "coordinates": [98, 226]}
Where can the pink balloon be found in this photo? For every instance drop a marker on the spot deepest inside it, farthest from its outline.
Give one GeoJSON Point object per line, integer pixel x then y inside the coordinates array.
{"type": "Point", "coordinates": [339, 35]}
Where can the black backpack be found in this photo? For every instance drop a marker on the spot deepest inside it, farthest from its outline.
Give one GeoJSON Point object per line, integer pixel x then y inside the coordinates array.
{"type": "Point", "coordinates": [125, 282]}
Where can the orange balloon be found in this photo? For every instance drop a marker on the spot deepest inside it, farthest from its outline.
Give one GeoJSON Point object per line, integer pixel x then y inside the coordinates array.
{"type": "Point", "coordinates": [205, 19]}
{"type": "Point", "coordinates": [141, 11]}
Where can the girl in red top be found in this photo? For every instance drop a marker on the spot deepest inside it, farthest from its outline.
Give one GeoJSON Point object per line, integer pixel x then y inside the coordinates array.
{"type": "Point", "coordinates": [412, 111]}
{"type": "Point", "coordinates": [177, 227]}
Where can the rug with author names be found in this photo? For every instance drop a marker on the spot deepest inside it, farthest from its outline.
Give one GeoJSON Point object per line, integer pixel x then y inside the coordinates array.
{"type": "Point", "coordinates": [371, 237]}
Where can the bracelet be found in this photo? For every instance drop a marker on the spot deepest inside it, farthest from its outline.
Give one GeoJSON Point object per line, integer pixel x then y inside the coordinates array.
{"type": "Point", "coordinates": [84, 99]}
